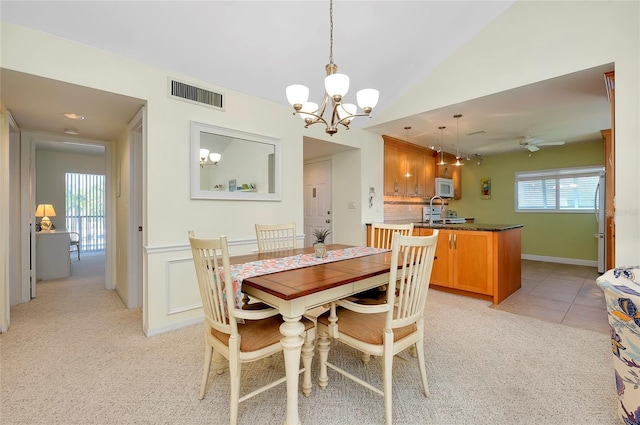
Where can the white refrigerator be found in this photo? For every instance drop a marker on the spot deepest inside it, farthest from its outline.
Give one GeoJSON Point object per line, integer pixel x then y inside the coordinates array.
{"type": "Point", "coordinates": [600, 219]}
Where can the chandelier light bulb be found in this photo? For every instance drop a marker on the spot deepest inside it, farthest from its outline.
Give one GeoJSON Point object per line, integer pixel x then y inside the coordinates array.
{"type": "Point", "coordinates": [204, 153]}
{"type": "Point", "coordinates": [215, 157]}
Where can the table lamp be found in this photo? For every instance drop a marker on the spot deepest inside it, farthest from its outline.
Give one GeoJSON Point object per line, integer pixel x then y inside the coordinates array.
{"type": "Point", "coordinates": [44, 211]}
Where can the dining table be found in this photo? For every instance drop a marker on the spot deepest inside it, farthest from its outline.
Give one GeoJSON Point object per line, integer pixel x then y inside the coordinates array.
{"type": "Point", "coordinates": [296, 290]}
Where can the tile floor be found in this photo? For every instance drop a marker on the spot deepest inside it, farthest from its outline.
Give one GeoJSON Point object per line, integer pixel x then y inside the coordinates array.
{"type": "Point", "coordinates": [560, 293]}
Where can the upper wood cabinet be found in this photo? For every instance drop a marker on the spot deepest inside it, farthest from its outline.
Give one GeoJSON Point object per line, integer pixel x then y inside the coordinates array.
{"type": "Point", "coordinates": [409, 170]}
{"type": "Point", "coordinates": [450, 171]}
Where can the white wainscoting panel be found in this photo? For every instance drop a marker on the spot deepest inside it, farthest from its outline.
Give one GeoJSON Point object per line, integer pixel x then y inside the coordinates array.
{"type": "Point", "coordinates": [182, 286]}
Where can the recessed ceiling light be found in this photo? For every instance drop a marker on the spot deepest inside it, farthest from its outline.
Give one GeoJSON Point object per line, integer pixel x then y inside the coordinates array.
{"type": "Point", "coordinates": [72, 131]}
{"type": "Point", "coordinates": [73, 116]}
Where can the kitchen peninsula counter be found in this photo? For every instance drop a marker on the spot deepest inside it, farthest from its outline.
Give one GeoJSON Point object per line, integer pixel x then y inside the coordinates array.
{"type": "Point", "coordinates": [481, 227]}
{"type": "Point", "coordinates": [473, 259]}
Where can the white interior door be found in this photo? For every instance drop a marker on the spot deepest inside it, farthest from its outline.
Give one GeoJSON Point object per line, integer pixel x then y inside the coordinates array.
{"type": "Point", "coordinates": [135, 219]}
{"type": "Point", "coordinates": [317, 199]}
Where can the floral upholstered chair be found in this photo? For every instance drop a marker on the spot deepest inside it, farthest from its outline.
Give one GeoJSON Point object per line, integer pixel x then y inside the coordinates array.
{"type": "Point", "coordinates": [621, 288]}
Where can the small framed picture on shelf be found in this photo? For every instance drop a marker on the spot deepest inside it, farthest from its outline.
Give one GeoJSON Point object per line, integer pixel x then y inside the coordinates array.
{"type": "Point", "coordinates": [232, 185]}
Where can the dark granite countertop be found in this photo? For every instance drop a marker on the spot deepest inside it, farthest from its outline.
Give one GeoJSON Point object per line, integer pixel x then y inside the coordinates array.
{"type": "Point", "coordinates": [480, 227]}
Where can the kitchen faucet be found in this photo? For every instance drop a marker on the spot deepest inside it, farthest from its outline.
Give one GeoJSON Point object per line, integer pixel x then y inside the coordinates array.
{"type": "Point", "coordinates": [431, 208]}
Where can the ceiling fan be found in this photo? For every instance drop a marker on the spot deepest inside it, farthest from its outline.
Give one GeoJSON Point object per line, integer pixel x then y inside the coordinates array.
{"type": "Point", "coordinates": [533, 144]}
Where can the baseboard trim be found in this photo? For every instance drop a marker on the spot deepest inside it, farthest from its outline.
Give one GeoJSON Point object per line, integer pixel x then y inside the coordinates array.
{"type": "Point", "coordinates": [561, 260]}
{"type": "Point", "coordinates": [173, 326]}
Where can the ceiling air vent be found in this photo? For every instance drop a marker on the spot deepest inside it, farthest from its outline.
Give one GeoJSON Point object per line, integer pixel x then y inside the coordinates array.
{"type": "Point", "coordinates": [191, 93]}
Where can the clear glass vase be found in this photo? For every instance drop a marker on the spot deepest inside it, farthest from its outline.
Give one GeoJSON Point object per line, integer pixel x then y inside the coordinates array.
{"type": "Point", "coordinates": [320, 250]}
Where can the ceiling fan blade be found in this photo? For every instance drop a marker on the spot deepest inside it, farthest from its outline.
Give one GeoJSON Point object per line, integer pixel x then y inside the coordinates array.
{"type": "Point", "coordinates": [533, 148]}
{"type": "Point", "coordinates": [558, 143]}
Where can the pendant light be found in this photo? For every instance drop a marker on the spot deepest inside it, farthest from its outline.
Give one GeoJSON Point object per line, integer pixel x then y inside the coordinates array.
{"type": "Point", "coordinates": [458, 162]}
{"type": "Point", "coordinates": [442, 162]}
{"type": "Point", "coordinates": [336, 87]}
{"type": "Point", "coordinates": [407, 173]}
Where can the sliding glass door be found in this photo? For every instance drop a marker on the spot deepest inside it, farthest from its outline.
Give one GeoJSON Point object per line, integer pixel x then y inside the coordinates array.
{"type": "Point", "coordinates": [85, 199]}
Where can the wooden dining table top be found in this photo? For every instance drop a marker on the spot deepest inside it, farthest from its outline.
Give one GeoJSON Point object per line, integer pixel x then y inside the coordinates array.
{"type": "Point", "coordinates": [296, 283]}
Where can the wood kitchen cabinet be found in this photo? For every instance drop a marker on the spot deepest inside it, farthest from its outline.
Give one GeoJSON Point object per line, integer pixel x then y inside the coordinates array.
{"type": "Point", "coordinates": [428, 174]}
{"type": "Point", "coordinates": [392, 161]}
{"type": "Point", "coordinates": [484, 264]}
{"type": "Point", "coordinates": [464, 261]}
{"type": "Point", "coordinates": [409, 170]}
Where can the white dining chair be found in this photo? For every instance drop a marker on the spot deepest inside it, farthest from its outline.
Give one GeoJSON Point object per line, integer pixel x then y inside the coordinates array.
{"type": "Point", "coordinates": [257, 338]}
{"type": "Point", "coordinates": [271, 238]}
{"type": "Point", "coordinates": [382, 233]}
{"type": "Point", "coordinates": [384, 329]}
{"type": "Point", "coordinates": [276, 237]}
{"type": "Point", "coordinates": [380, 236]}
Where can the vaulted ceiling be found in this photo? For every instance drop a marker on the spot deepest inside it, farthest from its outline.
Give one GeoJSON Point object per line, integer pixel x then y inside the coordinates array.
{"type": "Point", "coordinates": [260, 47]}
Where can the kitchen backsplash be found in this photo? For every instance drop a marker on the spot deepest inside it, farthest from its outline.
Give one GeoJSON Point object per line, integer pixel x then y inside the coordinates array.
{"type": "Point", "coordinates": [403, 208]}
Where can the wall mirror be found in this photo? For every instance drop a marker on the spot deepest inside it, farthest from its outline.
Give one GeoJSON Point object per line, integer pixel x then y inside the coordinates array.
{"type": "Point", "coordinates": [234, 165]}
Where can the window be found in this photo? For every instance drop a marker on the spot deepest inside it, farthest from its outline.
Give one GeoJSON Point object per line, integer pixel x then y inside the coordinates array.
{"type": "Point", "coordinates": [85, 209]}
{"type": "Point", "coordinates": [564, 190]}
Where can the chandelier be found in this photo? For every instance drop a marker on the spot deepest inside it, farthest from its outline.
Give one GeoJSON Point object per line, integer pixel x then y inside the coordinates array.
{"type": "Point", "coordinates": [205, 156]}
{"type": "Point", "coordinates": [336, 87]}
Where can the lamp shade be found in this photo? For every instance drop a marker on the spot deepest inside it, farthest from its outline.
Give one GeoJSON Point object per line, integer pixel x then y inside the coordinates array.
{"type": "Point", "coordinates": [310, 108]}
{"type": "Point", "coordinates": [45, 210]}
{"type": "Point", "coordinates": [215, 157]}
{"type": "Point", "coordinates": [336, 84]}
{"type": "Point", "coordinates": [204, 153]}
{"type": "Point", "coordinates": [297, 94]}
{"type": "Point", "coordinates": [345, 110]}
{"type": "Point", "coordinates": [367, 98]}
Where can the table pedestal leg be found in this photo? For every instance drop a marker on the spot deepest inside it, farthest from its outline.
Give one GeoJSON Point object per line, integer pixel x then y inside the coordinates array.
{"type": "Point", "coordinates": [291, 331]}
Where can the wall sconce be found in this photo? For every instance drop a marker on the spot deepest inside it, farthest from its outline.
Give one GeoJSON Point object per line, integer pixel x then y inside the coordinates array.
{"type": "Point", "coordinates": [44, 211]}
{"type": "Point", "coordinates": [205, 156]}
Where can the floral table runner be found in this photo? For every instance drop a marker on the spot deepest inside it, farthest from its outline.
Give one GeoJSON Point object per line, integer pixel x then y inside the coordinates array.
{"type": "Point", "coordinates": [240, 272]}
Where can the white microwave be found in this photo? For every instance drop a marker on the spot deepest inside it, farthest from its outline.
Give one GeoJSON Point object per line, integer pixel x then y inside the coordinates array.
{"type": "Point", "coordinates": [444, 187]}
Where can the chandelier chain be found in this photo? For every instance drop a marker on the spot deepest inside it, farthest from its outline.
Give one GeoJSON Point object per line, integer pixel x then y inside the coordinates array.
{"type": "Point", "coordinates": [331, 31]}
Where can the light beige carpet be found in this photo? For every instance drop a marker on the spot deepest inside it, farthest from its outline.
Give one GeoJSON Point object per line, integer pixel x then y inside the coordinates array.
{"type": "Point", "coordinates": [76, 355]}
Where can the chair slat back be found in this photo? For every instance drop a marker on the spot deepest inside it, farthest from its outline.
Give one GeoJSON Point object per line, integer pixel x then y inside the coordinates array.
{"type": "Point", "coordinates": [276, 237]}
{"type": "Point", "coordinates": [382, 233]}
{"type": "Point", "coordinates": [207, 263]}
{"type": "Point", "coordinates": [410, 273]}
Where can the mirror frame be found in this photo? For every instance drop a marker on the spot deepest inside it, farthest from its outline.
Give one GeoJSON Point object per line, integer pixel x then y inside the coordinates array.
{"type": "Point", "coordinates": [197, 193]}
